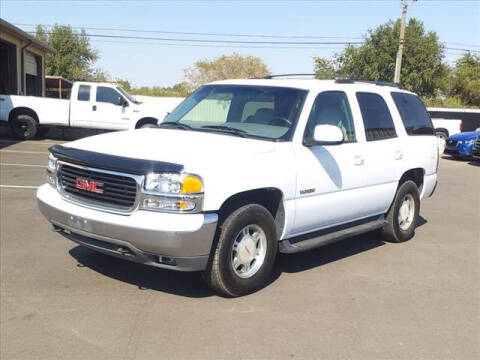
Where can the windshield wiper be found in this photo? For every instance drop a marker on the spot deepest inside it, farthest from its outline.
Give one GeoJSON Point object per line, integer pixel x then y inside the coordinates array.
{"type": "Point", "coordinates": [226, 129]}
{"type": "Point", "coordinates": [175, 125]}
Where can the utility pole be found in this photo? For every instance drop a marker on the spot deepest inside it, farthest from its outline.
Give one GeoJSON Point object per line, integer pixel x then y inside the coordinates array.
{"type": "Point", "coordinates": [398, 64]}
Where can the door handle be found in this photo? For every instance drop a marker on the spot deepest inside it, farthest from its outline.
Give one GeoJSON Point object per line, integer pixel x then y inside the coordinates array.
{"type": "Point", "coordinates": [359, 160]}
{"type": "Point", "coordinates": [94, 107]}
{"type": "Point", "coordinates": [398, 155]}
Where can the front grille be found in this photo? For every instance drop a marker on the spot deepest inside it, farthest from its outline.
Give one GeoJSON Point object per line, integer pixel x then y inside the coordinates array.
{"type": "Point", "coordinates": [118, 191]}
{"type": "Point", "coordinates": [477, 144]}
{"type": "Point", "coordinates": [451, 143]}
{"type": "Point", "coordinates": [476, 147]}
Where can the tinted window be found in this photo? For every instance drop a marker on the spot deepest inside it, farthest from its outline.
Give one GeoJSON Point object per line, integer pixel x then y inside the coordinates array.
{"type": "Point", "coordinates": [376, 117]}
{"type": "Point", "coordinates": [252, 111]}
{"type": "Point", "coordinates": [84, 93]}
{"type": "Point", "coordinates": [331, 108]}
{"type": "Point", "coordinates": [108, 95]}
{"type": "Point", "coordinates": [413, 113]}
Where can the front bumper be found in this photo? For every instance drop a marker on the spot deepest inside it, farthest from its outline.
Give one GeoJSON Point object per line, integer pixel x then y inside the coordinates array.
{"type": "Point", "coordinates": [464, 150]}
{"type": "Point", "coordinates": [174, 241]}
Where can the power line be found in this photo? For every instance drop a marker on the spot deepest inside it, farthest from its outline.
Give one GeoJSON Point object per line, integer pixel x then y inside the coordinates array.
{"type": "Point", "coordinates": [226, 34]}
{"type": "Point", "coordinates": [200, 33]}
{"type": "Point", "coordinates": [220, 41]}
{"type": "Point", "coordinates": [218, 46]}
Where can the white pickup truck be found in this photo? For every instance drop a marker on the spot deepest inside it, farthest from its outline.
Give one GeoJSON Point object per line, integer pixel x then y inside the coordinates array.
{"type": "Point", "coordinates": [91, 105]}
{"type": "Point", "coordinates": [244, 169]}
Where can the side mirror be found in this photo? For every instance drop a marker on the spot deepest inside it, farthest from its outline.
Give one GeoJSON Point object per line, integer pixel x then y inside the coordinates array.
{"type": "Point", "coordinates": [327, 135]}
{"type": "Point", "coordinates": [123, 102]}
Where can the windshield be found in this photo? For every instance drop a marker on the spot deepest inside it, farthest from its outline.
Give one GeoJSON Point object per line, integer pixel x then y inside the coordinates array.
{"type": "Point", "coordinates": [250, 111]}
{"type": "Point", "coordinates": [128, 96]}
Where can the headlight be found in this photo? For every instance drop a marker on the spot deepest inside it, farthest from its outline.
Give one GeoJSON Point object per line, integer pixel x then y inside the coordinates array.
{"type": "Point", "coordinates": [52, 162]}
{"type": "Point", "coordinates": [170, 183]}
{"type": "Point", "coordinates": [172, 192]}
{"type": "Point", "coordinates": [470, 142]}
{"type": "Point", "coordinates": [51, 170]}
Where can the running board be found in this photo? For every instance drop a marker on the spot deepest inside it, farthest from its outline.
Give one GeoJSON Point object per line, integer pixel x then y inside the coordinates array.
{"type": "Point", "coordinates": [327, 236]}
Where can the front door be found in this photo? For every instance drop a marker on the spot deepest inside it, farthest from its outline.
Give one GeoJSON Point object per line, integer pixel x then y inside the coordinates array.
{"type": "Point", "coordinates": [331, 178]}
{"type": "Point", "coordinates": [109, 110]}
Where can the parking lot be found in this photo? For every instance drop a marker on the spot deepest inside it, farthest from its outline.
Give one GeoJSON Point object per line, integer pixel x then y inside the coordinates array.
{"type": "Point", "coordinates": [360, 298]}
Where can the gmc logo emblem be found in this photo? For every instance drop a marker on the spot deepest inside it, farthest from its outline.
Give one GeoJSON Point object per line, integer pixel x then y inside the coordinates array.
{"type": "Point", "coordinates": [92, 186]}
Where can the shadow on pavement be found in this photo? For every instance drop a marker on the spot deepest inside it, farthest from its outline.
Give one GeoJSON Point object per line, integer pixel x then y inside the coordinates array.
{"type": "Point", "coordinates": [53, 134]}
{"type": "Point", "coordinates": [191, 284]}
{"type": "Point", "coordinates": [188, 284]}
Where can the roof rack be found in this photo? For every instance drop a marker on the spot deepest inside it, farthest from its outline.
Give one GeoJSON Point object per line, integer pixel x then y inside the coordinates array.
{"type": "Point", "coordinates": [379, 83]}
{"type": "Point", "coordinates": [339, 79]}
{"type": "Point", "coordinates": [286, 75]}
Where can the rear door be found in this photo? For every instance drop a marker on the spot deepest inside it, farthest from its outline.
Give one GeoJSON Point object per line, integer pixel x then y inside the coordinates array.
{"type": "Point", "coordinates": [384, 151]}
{"type": "Point", "coordinates": [81, 106]}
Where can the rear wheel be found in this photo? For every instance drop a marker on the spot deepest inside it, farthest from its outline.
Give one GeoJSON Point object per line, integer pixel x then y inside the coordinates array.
{"type": "Point", "coordinates": [245, 253]}
{"type": "Point", "coordinates": [24, 127]}
{"type": "Point", "coordinates": [403, 215]}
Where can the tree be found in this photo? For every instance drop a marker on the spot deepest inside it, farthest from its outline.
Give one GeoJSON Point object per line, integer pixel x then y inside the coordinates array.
{"type": "Point", "coordinates": [74, 57]}
{"type": "Point", "coordinates": [178, 90]}
{"type": "Point", "coordinates": [233, 66]}
{"type": "Point", "coordinates": [465, 80]}
{"type": "Point", "coordinates": [422, 68]}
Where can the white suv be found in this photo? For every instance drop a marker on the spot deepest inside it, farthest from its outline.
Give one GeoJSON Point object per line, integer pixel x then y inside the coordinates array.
{"type": "Point", "coordinates": [243, 169]}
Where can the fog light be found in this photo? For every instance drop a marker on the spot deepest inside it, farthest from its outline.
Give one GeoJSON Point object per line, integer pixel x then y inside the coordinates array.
{"type": "Point", "coordinates": [51, 178]}
{"type": "Point", "coordinates": [160, 204]}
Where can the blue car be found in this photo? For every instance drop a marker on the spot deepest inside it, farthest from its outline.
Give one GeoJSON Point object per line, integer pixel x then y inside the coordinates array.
{"type": "Point", "coordinates": [461, 145]}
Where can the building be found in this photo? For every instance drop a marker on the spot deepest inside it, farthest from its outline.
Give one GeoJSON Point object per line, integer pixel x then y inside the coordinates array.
{"type": "Point", "coordinates": [22, 61]}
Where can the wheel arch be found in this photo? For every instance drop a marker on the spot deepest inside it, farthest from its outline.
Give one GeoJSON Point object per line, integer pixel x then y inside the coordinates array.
{"type": "Point", "coordinates": [22, 110]}
{"type": "Point", "coordinates": [146, 120]}
{"type": "Point", "coordinates": [269, 197]}
{"type": "Point", "coordinates": [416, 175]}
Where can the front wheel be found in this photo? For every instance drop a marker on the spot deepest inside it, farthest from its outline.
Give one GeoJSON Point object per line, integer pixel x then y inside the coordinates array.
{"type": "Point", "coordinates": [245, 252]}
{"type": "Point", "coordinates": [403, 215]}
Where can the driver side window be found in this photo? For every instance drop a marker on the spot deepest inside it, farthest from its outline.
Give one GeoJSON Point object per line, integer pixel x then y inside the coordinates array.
{"type": "Point", "coordinates": [108, 95]}
{"type": "Point", "coordinates": [331, 108]}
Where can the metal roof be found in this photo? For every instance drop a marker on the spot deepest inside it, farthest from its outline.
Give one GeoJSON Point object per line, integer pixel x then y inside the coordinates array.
{"type": "Point", "coordinates": [20, 33]}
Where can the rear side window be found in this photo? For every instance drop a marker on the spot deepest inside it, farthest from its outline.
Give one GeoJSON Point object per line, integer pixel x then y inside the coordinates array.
{"type": "Point", "coordinates": [83, 93]}
{"type": "Point", "coordinates": [377, 119]}
{"type": "Point", "coordinates": [413, 113]}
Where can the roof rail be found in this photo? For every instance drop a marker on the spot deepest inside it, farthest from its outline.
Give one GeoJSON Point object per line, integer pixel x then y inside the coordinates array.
{"type": "Point", "coordinates": [379, 83]}
{"type": "Point", "coordinates": [286, 75]}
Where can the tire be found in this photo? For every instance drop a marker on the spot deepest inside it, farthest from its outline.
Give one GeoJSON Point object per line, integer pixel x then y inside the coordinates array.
{"type": "Point", "coordinates": [148, 125]}
{"type": "Point", "coordinates": [226, 273]}
{"type": "Point", "coordinates": [24, 127]}
{"type": "Point", "coordinates": [441, 134]}
{"type": "Point", "coordinates": [397, 231]}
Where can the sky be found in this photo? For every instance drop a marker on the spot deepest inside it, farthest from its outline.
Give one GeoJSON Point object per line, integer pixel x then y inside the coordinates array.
{"type": "Point", "coordinates": [154, 63]}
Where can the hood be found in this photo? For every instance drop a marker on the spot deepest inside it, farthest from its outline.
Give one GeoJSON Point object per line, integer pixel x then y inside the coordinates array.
{"type": "Point", "coordinates": [188, 148]}
{"type": "Point", "coordinates": [464, 136]}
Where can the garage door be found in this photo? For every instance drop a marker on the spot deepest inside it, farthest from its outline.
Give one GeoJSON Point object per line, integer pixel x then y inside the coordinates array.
{"type": "Point", "coordinates": [30, 64]}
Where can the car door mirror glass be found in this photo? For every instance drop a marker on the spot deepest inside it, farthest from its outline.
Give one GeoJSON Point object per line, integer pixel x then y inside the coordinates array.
{"type": "Point", "coordinates": [328, 135]}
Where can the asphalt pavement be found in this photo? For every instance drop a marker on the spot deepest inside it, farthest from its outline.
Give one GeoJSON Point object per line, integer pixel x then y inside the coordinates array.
{"type": "Point", "coordinates": [359, 298]}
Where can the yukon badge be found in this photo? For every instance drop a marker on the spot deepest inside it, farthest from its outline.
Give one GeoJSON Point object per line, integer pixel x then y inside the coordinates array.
{"type": "Point", "coordinates": [307, 191]}
{"type": "Point", "coordinates": [92, 186]}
